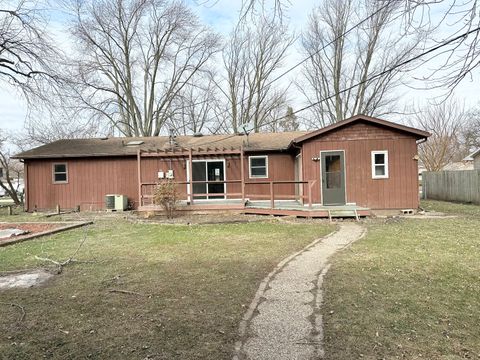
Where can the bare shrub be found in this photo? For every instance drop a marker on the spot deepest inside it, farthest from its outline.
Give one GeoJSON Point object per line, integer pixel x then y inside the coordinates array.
{"type": "Point", "coordinates": [166, 195]}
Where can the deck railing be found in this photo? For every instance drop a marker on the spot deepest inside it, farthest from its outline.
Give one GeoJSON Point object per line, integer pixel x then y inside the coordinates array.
{"type": "Point", "coordinates": [147, 188]}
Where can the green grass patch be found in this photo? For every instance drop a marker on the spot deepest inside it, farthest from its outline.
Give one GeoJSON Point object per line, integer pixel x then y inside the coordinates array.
{"type": "Point", "coordinates": [408, 290]}
{"type": "Point", "coordinates": [451, 207]}
{"type": "Point", "coordinates": [197, 282]}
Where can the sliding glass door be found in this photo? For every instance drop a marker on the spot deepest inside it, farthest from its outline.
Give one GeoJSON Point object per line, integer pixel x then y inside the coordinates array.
{"type": "Point", "coordinates": [212, 171]}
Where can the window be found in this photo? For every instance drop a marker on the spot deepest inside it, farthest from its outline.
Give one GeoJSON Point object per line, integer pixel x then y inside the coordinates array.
{"type": "Point", "coordinates": [379, 164]}
{"type": "Point", "coordinates": [60, 173]}
{"type": "Point", "coordinates": [258, 166]}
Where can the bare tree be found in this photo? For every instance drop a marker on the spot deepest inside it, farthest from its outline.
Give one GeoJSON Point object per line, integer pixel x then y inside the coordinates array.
{"type": "Point", "coordinates": [12, 172]}
{"type": "Point", "coordinates": [470, 132]}
{"type": "Point", "coordinates": [252, 7]}
{"type": "Point", "coordinates": [42, 128]}
{"type": "Point", "coordinates": [134, 59]}
{"type": "Point", "coordinates": [255, 50]}
{"type": "Point", "coordinates": [462, 20]}
{"type": "Point", "coordinates": [444, 122]}
{"type": "Point", "coordinates": [27, 54]}
{"type": "Point", "coordinates": [286, 121]}
{"type": "Point", "coordinates": [342, 58]}
{"type": "Point", "coordinates": [194, 107]}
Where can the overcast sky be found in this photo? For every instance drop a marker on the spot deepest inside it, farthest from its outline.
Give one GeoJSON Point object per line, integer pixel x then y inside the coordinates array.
{"type": "Point", "coordinates": [221, 15]}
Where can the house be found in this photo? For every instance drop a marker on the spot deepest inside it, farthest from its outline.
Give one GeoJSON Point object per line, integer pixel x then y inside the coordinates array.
{"type": "Point", "coordinates": [465, 164]}
{"type": "Point", "coordinates": [362, 161]}
{"type": "Point", "coordinates": [475, 158]}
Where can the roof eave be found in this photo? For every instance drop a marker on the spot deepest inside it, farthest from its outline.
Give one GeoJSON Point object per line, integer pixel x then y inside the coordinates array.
{"type": "Point", "coordinates": [68, 156]}
{"type": "Point", "coordinates": [474, 154]}
{"type": "Point", "coordinates": [419, 133]}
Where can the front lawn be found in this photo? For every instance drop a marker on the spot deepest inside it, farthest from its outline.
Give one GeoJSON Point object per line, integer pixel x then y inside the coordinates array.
{"type": "Point", "coordinates": [451, 208]}
{"type": "Point", "coordinates": [189, 285]}
{"type": "Point", "coordinates": [410, 289]}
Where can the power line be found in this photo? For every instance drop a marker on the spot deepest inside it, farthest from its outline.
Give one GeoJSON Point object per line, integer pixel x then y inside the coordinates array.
{"type": "Point", "coordinates": [373, 77]}
{"type": "Point", "coordinates": [328, 44]}
{"type": "Point", "coordinates": [349, 30]}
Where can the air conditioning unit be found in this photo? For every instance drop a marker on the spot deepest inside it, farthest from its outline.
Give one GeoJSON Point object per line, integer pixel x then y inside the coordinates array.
{"type": "Point", "coordinates": [114, 202]}
{"type": "Point", "coordinates": [110, 202]}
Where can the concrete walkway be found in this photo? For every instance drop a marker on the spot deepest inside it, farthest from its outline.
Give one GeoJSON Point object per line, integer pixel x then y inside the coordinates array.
{"type": "Point", "coordinates": [284, 320]}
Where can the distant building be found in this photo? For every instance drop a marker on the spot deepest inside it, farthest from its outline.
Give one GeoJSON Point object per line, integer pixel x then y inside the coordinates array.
{"type": "Point", "coordinates": [474, 158]}
{"type": "Point", "coordinates": [459, 165]}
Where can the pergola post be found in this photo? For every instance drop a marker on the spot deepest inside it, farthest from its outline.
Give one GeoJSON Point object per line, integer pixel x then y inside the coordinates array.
{"type": "Point", "coordinates": [190, 170]}
{"type": "Point", "coordinates": [139, 174]}
{"type": "Point", "coordinates": [272, 195]}
{"type": "Point", "coordinates": [242, 173]}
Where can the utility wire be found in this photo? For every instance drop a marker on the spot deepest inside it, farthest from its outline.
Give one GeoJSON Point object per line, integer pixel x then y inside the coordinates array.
{"type": "Point", "coordinates": [349, 30]}
{"type": "Point", "coordinates": [373, 77]}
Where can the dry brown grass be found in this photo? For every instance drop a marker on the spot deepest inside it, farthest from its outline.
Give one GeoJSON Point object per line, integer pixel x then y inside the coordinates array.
{"type": "Point", "coordinates": [189, 285]}
{"type": "Point", "coordinates": [409, 290]}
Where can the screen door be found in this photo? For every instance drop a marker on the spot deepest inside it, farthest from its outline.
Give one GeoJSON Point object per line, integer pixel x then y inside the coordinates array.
{"type": "Point", "coordinates": [333, 178]}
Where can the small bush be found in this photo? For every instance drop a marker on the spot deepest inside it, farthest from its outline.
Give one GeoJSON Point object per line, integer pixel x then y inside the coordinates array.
{"type": "Point", "coordinates": [166, 195]}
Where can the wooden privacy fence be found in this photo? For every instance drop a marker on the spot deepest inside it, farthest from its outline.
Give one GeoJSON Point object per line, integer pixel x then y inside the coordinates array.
{"type": "Point", "coordinates": [463, 186]}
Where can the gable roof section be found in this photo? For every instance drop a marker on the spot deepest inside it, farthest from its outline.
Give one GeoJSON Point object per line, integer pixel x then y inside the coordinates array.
{"type": "Point", "coordinates": [473, 155]}
{"type": "Point", "coordinates": [419, 134]}
{"type": "Point", "coordinates": [85, 148]}
{"type": "Point", "coordinates": [74, 148]}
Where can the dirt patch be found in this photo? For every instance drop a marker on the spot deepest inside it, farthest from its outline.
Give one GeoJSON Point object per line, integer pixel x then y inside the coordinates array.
{"type": "Point", "coordinates": [223, 218]}
{"type": "Point", "coordinates": [24, 280]}
{"type": "Point", "coordinates": [29, 228]}
{"type": "Point", "coordinates": [204, 219]}
{"type": "Point", "coordinates": [36, 230]}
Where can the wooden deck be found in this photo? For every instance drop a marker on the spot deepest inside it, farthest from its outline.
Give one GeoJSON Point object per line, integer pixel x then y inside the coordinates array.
{"type": "Point", "coordinates": [294, 208]}
{"type": "Point", "coordinates": [281, 208]}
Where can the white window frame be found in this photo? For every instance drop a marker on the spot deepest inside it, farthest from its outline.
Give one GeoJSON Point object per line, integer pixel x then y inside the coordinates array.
{"type": "Point", "coordinates": [374, 175]}
{"type": "Point", "coordinates": [213, 194]}
{"type": "Point", "coordinates": [57, 172]}
{"type": "Point", "coordinates": [250, 167]}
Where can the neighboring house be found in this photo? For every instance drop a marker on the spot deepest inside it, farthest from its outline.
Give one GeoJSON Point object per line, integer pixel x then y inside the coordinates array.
{"type": "Point", "coordinates": [475, 158]}
{"type": "Point", "coordinates": [17, 183]}
{"type": "Point", "coordinates": [465, 164]}
{"type": "Point", "coordinates": [361, 161]}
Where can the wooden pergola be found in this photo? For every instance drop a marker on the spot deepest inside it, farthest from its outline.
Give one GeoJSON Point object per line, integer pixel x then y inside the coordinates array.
{"type": "Point", "coordinates": [190, 153]}
{"type": "Point", "coordinates": [182, 153]}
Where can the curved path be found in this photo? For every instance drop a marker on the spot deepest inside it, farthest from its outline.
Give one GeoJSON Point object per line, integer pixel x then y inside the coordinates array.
{"type": "Point", "coordinates": [284, 320]}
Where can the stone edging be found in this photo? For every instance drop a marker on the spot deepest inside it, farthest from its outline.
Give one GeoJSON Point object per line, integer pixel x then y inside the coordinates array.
{"type": "Point", "coordinates": [44, 233]}
{"type": "Point", "coordinates": [318, 302]}
{"type": "Point", "coordinates": [242, 329]}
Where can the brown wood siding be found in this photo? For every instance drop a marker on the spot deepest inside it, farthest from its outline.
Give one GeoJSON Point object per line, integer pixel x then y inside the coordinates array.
{"type": "Point", "coordinates": [89, 180]}
{"type": "Point", "coordinates": [280, 167]}
{"type": "Point", "coordinates": [152, 165]}
{"type": "Point", "coordinates": [399, 191]}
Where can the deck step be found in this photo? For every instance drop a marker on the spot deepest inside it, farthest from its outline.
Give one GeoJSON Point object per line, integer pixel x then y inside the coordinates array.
{"type": "Point", "coordinates": [343, 214]}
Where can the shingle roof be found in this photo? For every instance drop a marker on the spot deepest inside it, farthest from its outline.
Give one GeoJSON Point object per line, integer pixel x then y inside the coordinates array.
{"type": "Point", "coordinates": [472, 156]}
{"type": "Point", "coordinates": [420, 134]}
{"type": "Point", "coordinates": [118, 146]}
{"type": "Point", "coordinates": [256, 142]}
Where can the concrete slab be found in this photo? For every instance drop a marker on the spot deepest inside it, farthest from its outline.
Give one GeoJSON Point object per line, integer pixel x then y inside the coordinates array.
{"type": "Point", "coordinates": [24, 280]}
